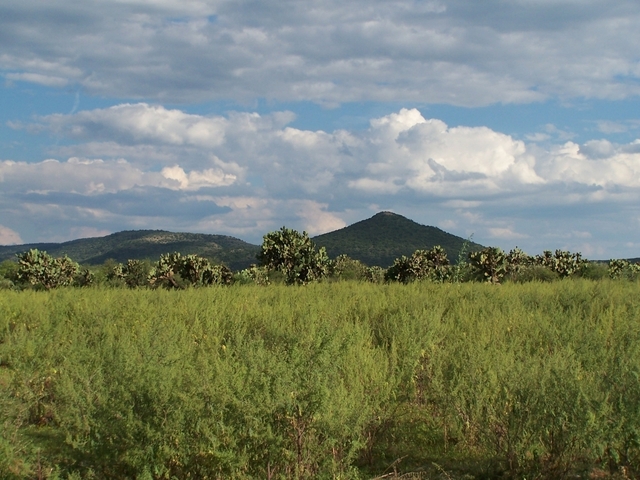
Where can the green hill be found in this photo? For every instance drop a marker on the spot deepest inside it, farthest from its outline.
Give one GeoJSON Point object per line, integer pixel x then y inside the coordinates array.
{"type": "Point", "coordinates": [386, 236]}
{"type": "Point", "coordinates": [376, 241]}
{"type": "Point", "coordinates": [146, 244]}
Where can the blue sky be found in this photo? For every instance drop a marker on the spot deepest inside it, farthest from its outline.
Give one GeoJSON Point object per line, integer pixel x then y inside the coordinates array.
{"type": "Point", "coordinates": [515, 122]}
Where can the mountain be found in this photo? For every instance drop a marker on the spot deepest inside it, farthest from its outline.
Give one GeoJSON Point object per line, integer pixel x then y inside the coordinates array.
{"type": "Point", "coordinates": [386, 236]}
{"type": "Point", "coordinates": [376, 241]}
{"type": "Point", "coordinates": [146, 244]}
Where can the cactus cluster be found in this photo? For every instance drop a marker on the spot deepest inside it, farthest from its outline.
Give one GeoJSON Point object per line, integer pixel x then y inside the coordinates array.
{"type": "Point", "coordinates": [41, 269]}
{"type": "Point", "coordinates": [295, 255]}
{"type": "Point", "coordinates": [562, 262]}
{"type": "Point", "coordinates": [490, 263]}
{"type": "Point", "coordinates": [176, 271]}
{"type": "Point", "coordinates": [623, 269]}
{"type": "Point", "coordinates": [422, 264]}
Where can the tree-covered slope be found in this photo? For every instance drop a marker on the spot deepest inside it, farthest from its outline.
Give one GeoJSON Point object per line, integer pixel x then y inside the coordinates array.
{"type": "Point", "coordinates": [378, 240]}
{"type": "Point", "coordinates": [146, 244]}
{"type": "Point", "coordinates": [386, 236]}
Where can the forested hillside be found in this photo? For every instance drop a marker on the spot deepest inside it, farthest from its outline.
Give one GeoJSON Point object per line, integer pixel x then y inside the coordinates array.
{"type": "Point", "coordinates": [386, 236]}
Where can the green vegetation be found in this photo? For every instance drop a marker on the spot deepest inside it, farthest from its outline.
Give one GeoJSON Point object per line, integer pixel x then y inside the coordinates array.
{"type": "Point", "coordinates": [424, 367]}
{"type": "Point", "coordinates": [379, 240]}
{"type": "Point", "coordinates": [42, 270]}
{"type": "Point", "coordinates": [374, 242]}
{"type": "Point", "coordinates": [146, 245]}
{"type": "Point", "coordinates": [295, 255]}
{"type": "Point", "coordinates": [333, 380]}
{"type": "Point", "coordinates": [422, 265]}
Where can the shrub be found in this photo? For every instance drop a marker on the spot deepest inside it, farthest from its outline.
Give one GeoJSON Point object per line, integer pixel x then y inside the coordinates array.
{"type": "Point", "coordinates": [175, 271]}
{"type": "Point", "coordinates": [489, 264]}
{"type": "Point", "coordinates": [423, 264]}
{"type": "Point", "coordinates": [253, 275]}
{"type": "Point", "coordinates": [624, 269]}
{"type": "Point", "coordinates": [294, 254]}
{"type": "Point", "coordinates": [535, 273]}
{"type": "Point", "coordinates": [346, 268]}
{"type": "Point", "coordinates": [39, 269]}
{"type": "Point", "coordinates": [594, 271]}
{"type": "Point", "coordinates": [9, 270]}
{"type": "Point", "coordinates": [562, 262]}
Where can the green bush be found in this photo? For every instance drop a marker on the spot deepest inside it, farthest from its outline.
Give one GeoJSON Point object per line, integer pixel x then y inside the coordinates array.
{"type": "Point", "coordinates": [9, 270]}
{"type": "Point", "coordinates": [594, 271]}
{"type": "Point", "coordinates": [430, 265]}
{"type": "Point", "coordinates": [295, 255]}
{"type": "Point", "coordinates": [40, 270]}
{"type": "Point", "coordinates": [489, 264]}
{"type": "Point", "coordinates": [534, 273]}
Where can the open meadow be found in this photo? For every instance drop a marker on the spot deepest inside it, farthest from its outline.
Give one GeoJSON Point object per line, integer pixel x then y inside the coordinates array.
{"type": "Point", "coordinates": [328, 380]}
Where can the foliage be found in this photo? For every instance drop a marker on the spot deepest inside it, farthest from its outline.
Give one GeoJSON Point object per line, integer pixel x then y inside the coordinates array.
{"type": "Point", "coordinates": [623, 269]}
{"type": "Point", "coordinates": [461, 270]}
{"type": "Point", "coordinates": [254, 274]}
{"type": "Point", "coordinates": [148, 244]}
{"type": "Point", "coordinates": [9, 269]}
{"type": "Point", "coordinates": [8, 274]}
{"type": "Point", "coordinates": [423, 264]}
{"type": "Point", "coordinates": [134, 273]}
{"type": "Point", "coordinates": [374, 274]}
{"type": "Point", "coordinates": [84, 278]}
{"type": "Point", "coordinates": [594, 270]}
{"type": "Point", "coordinates": [41, 270]}
{"type": "Point", "coordinates": [337, 380]}
{"type": "Point", "coordinates": [344, 267]}
{"type": "Point", "coordinates": [379, 240]}
{"type": "Point", "coordinates": [517, 261]}
{"type": "Point", "coordinates": [535, 273]}
{"type": "Point", "coordinates": [295, 255]}
{"type": "Point", "coordinates": [176, 271]}
{"type": "Point", "coordinates": [490, 264]}
{"type": "Point", "coordinates": [562, 262]}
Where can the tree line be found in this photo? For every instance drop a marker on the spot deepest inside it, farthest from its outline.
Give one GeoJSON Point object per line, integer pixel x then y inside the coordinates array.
{"type": "Point", "coordinates": [291, 257]}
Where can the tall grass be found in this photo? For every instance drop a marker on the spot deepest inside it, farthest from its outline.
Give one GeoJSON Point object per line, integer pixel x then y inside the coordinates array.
{"type": "Point", "coordinates": [331, 380]}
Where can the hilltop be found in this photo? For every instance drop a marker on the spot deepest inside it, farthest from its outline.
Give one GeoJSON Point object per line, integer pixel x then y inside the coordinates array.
{"type": "Point", "coordinates": [378, 240]}
{"type": "Point", "coordinates": [146, 244]}
{"type": "Point", "coordinates": [386, 236]}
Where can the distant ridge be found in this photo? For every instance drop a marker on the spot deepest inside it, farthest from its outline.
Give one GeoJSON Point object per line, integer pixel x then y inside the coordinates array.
{"type": "Point", "coordinates": [378, 240]}
{"type": "Point", "coordinates": [386, 236]}
{"type": "Point", "coordinates": [146, 244]}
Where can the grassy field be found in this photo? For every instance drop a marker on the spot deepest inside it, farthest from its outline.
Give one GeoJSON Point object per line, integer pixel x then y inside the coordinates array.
{"type": "Point", "coordinates": [333, 380]}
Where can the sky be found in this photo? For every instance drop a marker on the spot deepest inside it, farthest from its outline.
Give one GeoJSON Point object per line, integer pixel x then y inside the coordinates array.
{"type": "Point", "coordinates": [514, 123]}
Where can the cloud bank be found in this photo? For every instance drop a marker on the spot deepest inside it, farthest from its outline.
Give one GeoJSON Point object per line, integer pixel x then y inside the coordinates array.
{"type": "Point", "coordinates": [431, 51]}
{"type": "Point", "coordinates": [244, 174]}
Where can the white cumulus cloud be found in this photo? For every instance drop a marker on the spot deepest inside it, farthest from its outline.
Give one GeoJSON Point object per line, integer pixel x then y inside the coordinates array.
{"type": "Point", "coordinates": [252, 173]}
{"type": "Point", "coordinates": [9, 237]}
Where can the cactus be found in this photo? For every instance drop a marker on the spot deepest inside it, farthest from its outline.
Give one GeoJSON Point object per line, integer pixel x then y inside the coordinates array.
{"type": "Point", "coordinates": [295, 255]}
{"type": "Point", "coordinates": [41, 269]}
{"type": "Point", "coordinates": [517, 261]}
{"type": "Point", "coordinates": [255, 274]}
{"type": "Point", "coordinates": [490, 263]}
{"type": "Point", "coordinates": [562, 262]}
{"type": "Point", "coordinates": [623, 269]}
{"type": "Point", "coordinates": [176, 271]}
{"type": "Point", "coordinates": [423, 264]}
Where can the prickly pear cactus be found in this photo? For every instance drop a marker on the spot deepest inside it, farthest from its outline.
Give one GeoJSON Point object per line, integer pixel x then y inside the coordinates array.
{"type": "Point", "coordinates": [517, 261]}
{"type": "Point", "coordinates": [562, 262]}
{"type": "Point", "coordinates": [295, 255]}
{"type": "Point", "coordinates": [623, 269]}
{"type": "Point", "coordinates": [421, 265]}
{"type": "Point", "coordinates": [176, 271]}
{"type": "Point", "coordinates": [490, 264]}
{"type": "Point", "coordinates": [41, 269]}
